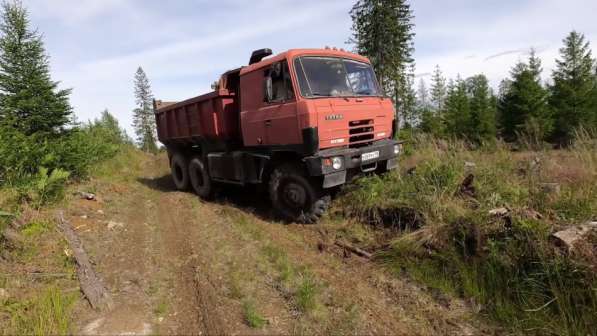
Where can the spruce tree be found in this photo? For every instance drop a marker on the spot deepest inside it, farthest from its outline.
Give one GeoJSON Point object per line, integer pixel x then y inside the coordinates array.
{"type": "Point", "coordinates": [438, 90]}
{"type": "Point", "coordinates": [524, 103]}
{"type": "Point", "coordinates": [30, 102]}
{"type": "Point", "coordinates": [383, 31]}
{"type": "Point", "coordinates": [143, 115]}
{"type": "Point", "coordinates": [574, 87]}
{"type": "Point", "coordinates": [457, 109]}
{"type": "Point", "coordinates": [482, 104]}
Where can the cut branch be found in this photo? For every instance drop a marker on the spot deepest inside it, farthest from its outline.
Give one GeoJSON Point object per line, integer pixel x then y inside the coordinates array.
{"type": "Point", "coordinates": [354, 250]}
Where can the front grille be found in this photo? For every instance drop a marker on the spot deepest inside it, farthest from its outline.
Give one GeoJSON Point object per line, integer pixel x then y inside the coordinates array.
{"type": "Point", "coordinates": [362, 133]}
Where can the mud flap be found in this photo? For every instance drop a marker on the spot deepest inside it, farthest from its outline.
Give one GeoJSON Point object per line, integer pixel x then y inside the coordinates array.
{"type": "Point", "coordinates": [334, 179]}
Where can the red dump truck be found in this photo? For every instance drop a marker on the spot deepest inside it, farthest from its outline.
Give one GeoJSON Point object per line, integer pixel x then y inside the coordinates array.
{"type": "Point", "coordinates": [302, 123]}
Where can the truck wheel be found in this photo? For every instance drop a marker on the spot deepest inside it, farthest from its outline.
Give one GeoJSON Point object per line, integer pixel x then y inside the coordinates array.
{"type": "Point", "coordinates": [200, 179]}
{"type": "Point", "coordinates": [180, 172]}
{"type": "Point", "coordinates": [295, 197]}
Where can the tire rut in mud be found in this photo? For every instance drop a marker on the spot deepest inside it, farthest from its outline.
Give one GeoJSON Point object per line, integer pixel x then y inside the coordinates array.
{"type": "Point", "coordinates": [191, 282]}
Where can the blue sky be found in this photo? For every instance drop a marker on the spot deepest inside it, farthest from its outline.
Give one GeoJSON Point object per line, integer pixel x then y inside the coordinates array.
{"type": "Point", "coordinates": [96, 45]}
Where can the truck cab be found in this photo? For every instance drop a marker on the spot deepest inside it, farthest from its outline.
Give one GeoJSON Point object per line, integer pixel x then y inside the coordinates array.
{"type": "Point", "coordinates": [302, 122]}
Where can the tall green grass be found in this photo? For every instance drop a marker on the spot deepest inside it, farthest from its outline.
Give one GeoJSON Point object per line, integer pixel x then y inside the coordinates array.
{"type": "Point", "coordinates": [45, 314]}
{"type": "Point", "coordinates": [508, 264]}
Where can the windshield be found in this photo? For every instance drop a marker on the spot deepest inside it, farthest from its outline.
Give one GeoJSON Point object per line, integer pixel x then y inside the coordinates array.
{"type": "Point", "coordinates": [335, 77]}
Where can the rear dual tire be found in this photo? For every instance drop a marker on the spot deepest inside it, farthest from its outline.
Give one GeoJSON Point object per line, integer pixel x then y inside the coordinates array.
{"type": "Point", "coordinates": [200, 180]}
{"type": "Point", "coordinates": [191, 174]}
{"type": "Point", "coordinates": [180, 173]}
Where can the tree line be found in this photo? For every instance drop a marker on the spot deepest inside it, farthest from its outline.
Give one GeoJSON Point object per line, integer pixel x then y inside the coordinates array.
{"type": "Point", "coordinates": [524, 108]}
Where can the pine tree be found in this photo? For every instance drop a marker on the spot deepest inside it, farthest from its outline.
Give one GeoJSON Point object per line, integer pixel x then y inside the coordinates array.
{"type": "Point", "coordinates": [574, 87]}
{"type": "Point", "coordinates": [408, 103]}
{"type": "Point", "coordinates": [383, 31]}
{"type": "Point", "coordinates": [30, 101]}
{"type": "Point", "coordinates": [482, 103]}
{"type": "Point", "coordinates": [143, 115]}
{"type": "Point", "coordinates": [438, 90]}
{"type": "Point", "coordinates": [524, 103]}
{"type": "Point", "coordinates": [457, 109]}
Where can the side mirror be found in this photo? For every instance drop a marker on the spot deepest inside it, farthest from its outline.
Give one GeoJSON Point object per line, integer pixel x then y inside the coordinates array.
{"type": "Point", "coordinates": [268, 89]}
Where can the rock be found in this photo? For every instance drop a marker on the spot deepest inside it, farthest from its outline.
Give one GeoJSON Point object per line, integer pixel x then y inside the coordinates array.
{"type": "Point", "coordinates": [101, 212]}
{"type": "Point", "coordinates": [84, 217]}
{"type": "Point", "coordinates": [115, 225]}
{"type": "Point", "coordinates": [499, 212]}
{"type": "Point", "coordinates": [86, 196]}
{"type": "Point", "coordinates": [569, 238]}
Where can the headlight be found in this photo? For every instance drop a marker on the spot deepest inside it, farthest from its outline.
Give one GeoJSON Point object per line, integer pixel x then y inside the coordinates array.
{"type": "Point", "coordinates": [396, 149]}
{"type": "Point", "coordinates": [337, 163]}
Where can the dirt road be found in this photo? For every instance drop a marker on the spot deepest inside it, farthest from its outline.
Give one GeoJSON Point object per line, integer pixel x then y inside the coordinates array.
{"type": "Point", "coordinates": [178, 265]}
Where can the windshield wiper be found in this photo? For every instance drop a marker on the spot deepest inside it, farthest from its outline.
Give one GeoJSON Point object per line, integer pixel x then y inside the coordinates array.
{"type": "Point", "coordinates": [319, 94]}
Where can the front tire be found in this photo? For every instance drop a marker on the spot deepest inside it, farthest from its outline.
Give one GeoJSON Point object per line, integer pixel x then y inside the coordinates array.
{"type": "Point", "coordinates": [200, 180]}
{"type": "Point", "coordinates": [295, 197]}
{"type": "Point", "coordinates": [180, 172]}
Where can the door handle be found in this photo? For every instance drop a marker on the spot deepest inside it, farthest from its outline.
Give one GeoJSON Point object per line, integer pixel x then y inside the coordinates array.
{"type": "Point", "coordinates": [268, 123]}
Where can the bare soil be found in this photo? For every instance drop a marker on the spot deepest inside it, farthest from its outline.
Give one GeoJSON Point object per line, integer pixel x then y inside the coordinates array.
{"type": "Point", "coordinates": [177, 265]}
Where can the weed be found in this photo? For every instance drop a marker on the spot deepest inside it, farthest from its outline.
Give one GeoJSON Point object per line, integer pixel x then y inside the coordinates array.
{"type": "Point", "coordinates": [161, 308]}
{"type": "Point", "coordinates": [35, 229]}
{"type": "Point", "coordinates": [252, 316]}
{"type": "Point", "coordinates": [298, 280]}
{"type": "Point", "coordinates": [45, 314]}
{"type": "Point", "coordinates": [306, 294]}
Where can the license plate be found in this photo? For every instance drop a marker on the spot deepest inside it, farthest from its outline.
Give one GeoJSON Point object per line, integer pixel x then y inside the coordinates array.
{"type": "Point", "coordinates": [370, 156]}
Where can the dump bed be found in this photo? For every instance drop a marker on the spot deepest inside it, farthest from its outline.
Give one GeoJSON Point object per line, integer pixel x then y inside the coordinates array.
{"type": "Point", "coordinates": [213, 116]}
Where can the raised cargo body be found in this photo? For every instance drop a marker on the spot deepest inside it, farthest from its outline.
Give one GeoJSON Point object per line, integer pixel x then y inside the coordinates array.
{"type": "Point", "coordinates": [302, 122]}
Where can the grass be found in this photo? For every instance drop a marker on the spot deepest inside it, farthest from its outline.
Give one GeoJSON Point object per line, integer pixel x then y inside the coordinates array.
{"type": "Point", "coordinates": [252, 317]}
{"type": "Point", "coordinates": [35, 229]}
{"type": "Point", "coordinates": [124, 167]}
{"type": "Point", "coordinates": [45, 314]}
{"type": "Point", "coordinates": [298, 281]}
{"type": "Point", "coordinates": [161, 309]}
{"type": "Point", "coordinates": [508, 264]}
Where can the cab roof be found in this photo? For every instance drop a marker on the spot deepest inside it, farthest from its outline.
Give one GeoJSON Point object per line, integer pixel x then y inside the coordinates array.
{"type": "Point", "coordinates": [292, 53]}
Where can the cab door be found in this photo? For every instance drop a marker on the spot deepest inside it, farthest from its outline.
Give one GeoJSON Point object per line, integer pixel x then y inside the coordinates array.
{"type": "Point", "coordinates": [269, 116]}
{"type": "Point", "coordinates": [280, 107]}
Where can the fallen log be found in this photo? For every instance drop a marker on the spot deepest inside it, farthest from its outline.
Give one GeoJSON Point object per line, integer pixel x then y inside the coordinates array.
{"type": "Point", "coordinates": [91, 284]}
{"type": "Point", "coordinates": [354, 250]}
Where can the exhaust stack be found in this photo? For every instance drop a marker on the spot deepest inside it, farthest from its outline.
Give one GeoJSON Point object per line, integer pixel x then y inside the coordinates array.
{"type": "Point", "coordinates": [260, 54]}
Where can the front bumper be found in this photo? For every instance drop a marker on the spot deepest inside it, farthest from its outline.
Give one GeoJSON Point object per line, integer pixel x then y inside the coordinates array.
{"type": "Point", "coordinates": [352, 162]}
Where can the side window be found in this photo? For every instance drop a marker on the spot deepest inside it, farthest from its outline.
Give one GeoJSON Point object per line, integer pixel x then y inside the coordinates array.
{"type": "Point", "coordinates": [279, 83]}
